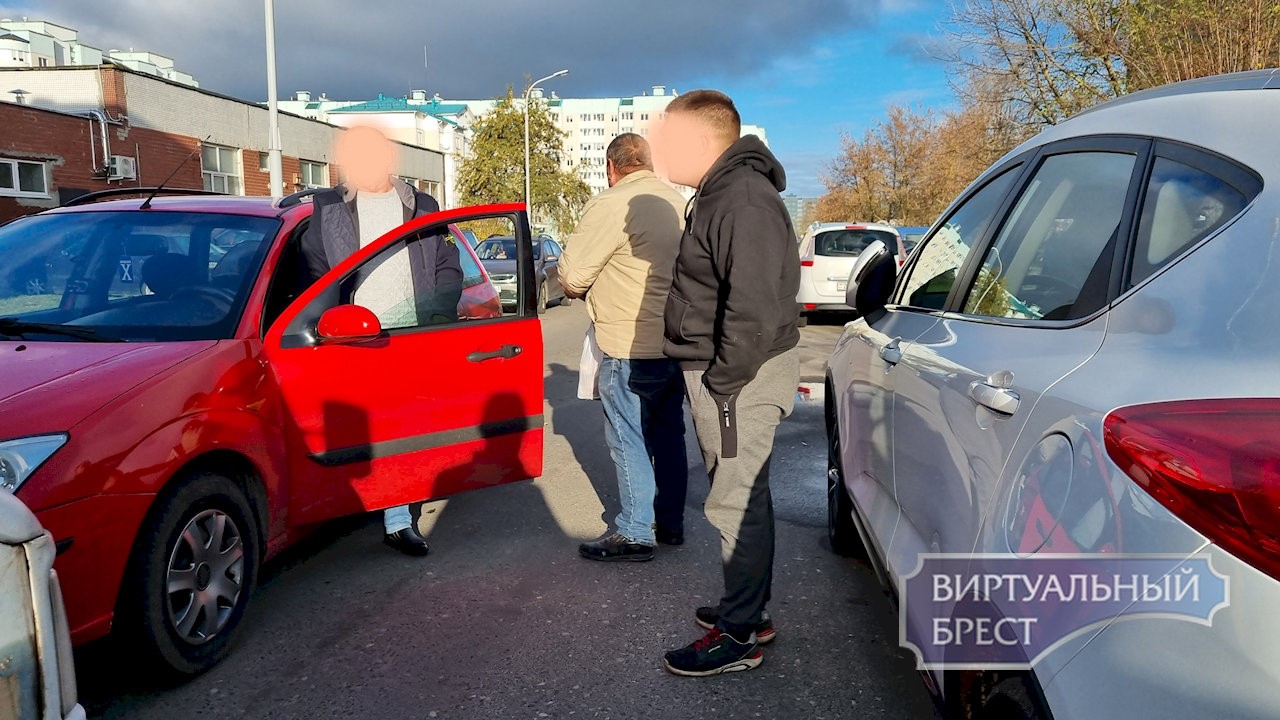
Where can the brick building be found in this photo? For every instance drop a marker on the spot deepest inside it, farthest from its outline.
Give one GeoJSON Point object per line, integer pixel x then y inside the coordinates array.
{"type": "Point", "coordinates": [78, 129]}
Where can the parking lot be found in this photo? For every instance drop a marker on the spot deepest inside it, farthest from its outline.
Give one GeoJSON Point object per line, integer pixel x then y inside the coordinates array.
{"type": "Point", "coordinates": [503, 620]}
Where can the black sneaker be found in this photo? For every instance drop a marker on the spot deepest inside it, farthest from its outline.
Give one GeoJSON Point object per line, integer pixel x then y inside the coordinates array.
{"type": "Point", "coordinates": [715, 653]}
{"type": "Point", "coordinates": [669, 537]}
{"type": "Point", "coordinates": [616, 548]}
{"type": "Point", "coordinates": [707, 617]}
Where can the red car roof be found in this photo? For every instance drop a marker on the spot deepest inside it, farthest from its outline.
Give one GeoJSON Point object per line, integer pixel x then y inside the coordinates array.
{"type": "Point", "coordinates": [223, 204]}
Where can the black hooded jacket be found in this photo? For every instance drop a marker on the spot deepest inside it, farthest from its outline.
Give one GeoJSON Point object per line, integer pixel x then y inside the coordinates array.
{"type": "Point", "coordinates": [733, 300]}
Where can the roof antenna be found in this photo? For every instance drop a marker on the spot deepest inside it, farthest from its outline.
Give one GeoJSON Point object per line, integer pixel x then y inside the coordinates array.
{"type": "Point", "coordinates": [146, 204]}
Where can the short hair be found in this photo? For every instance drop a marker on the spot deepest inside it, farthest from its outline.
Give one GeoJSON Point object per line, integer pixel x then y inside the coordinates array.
{"type": "Point", "coordinates": [629, 152]}
{"type": "Point", "coordinates": [713, 108]}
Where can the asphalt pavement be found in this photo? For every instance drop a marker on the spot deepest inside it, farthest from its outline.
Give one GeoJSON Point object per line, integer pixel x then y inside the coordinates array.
{"type": "Point", "coordinates": [504, 620]}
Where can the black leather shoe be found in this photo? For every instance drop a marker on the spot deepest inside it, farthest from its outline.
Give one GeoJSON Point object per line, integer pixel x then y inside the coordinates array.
{"type": "Point", "coordinates": [616, 548]}
{"type": "Point", "coordinates": [669, 537]}
{"type": "Point", "coordinates": [407, 541]}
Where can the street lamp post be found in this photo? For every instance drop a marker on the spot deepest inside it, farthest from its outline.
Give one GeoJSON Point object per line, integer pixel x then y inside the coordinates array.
{"type": "Point", "coordinates": [528, 204]}
{"type": "Point", "coordinates": [274, 160]}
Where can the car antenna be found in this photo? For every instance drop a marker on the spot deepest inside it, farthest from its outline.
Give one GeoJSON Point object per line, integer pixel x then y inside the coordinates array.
{"type": "Point", "coordinates": [146, 204]}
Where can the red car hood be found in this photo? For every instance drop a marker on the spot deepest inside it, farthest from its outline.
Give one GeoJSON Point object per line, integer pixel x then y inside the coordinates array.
{"type": "Point", "coordinates": [51, 386]}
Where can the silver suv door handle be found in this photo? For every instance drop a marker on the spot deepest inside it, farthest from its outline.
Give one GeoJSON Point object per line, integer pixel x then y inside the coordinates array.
{"type": "Point", "coordinates": [997, 399]}
{"type": "Point", "coordinates": [892, 353]}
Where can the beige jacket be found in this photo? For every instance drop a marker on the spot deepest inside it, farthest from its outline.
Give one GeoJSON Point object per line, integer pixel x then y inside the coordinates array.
{"type": "Point", "coordinates": [622, 255]}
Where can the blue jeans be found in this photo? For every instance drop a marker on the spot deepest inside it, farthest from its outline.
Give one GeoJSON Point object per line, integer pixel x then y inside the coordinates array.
{"type": "Point", "coordinates": [644, 406]}
{"type": "Point", "coordinates": [396, 519]}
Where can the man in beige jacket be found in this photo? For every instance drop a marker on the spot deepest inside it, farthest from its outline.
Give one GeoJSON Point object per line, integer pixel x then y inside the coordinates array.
{"type": "Point", "coordinates": [621, 258]}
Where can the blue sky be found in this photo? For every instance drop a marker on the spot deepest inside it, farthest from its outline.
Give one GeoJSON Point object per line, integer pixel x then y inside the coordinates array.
{"type": "Point", "coordinates": [842, 85]}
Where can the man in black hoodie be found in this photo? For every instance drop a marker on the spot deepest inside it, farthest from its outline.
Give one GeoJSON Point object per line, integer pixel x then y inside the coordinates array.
{"type": "Point", "coordinates": [731, 321]}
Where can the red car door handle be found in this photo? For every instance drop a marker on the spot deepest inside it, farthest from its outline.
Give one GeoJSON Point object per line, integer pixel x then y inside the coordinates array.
{"type": "Point", "coordinates": [506, 352]}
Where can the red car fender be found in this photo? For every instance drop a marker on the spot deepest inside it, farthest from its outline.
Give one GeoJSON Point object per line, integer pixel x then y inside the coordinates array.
{"type": "Point", "coordinates": [234, 442]}
{"type": "Point", "coordinates": [95, 536]}
{"type": "Point", "coordinates": [98, 532]}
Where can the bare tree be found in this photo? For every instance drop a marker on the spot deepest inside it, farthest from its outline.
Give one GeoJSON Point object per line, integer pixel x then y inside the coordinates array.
{"type": "Point", "coordinates": [1019, 65]}
{"type": "Point", "coordinates": [1048, 59]}
{"type": "Point", "coordinates": [1172, 40]}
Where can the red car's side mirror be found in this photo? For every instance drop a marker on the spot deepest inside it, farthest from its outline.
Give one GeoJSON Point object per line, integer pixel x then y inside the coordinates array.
{"type": "Point", "coordinates": [348, 323]}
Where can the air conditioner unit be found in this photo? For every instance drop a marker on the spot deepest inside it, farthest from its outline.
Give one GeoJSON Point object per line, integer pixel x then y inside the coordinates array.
{"type": "Point", "coordinates": [121, 167]}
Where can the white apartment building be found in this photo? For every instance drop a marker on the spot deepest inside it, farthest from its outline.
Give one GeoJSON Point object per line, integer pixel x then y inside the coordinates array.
{"type": "Point", "coordinates": [41, 44]}
{"type": "Point", "coordinates": [589, 124]}
{"type": "Point", "coordinates": [415, 119]}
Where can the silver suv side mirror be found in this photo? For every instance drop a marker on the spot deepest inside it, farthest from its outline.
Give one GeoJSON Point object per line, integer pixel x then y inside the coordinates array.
{"type": "Point", "coordinates": [872, 279]}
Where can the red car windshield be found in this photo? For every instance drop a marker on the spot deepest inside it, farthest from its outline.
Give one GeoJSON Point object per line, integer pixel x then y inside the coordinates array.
{"type": "Point", "coordinates": [129, 276]}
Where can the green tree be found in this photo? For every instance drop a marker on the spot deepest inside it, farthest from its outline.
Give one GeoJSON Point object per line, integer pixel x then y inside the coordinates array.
{"type": "Point", "coordinates": [493, 172]}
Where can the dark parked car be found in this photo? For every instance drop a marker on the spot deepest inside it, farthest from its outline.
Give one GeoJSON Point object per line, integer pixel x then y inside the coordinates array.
{"type": "Point", "coordinates": [498, 254]}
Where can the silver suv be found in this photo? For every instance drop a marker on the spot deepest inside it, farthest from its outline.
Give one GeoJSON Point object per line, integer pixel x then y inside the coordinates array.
{"type": "Point", "coordinates": [1083, 358]}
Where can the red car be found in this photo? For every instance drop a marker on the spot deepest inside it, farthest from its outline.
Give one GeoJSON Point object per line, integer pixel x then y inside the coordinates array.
{"type": "Point", "coordinates": [178, 403]}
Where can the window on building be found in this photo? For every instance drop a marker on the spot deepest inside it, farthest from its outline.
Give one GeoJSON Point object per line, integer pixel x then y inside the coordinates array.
{"type": "Point", "coordinates": [413, 182]}
{"type": "Point", "coordinates": [24, 178]}
{"type": "Point", "coordinates": [644, 116]}
{"type": "Point", "coordinates": [264, 162]}
{"type": "Point", "coordinates": [432, 188]}
{"type": "Point", "coordinates": [221, 169]}
{"type": "Point", "coordinates": [313, 175]}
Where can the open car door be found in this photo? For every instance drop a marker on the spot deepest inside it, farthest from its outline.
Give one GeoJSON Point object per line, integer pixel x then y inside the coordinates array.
{"type": "Point", "coordinates": [392, 395]}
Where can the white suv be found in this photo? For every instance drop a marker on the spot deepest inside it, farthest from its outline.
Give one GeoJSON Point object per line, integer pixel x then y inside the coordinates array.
{"type": "Point", "coordinates": [827, 254]}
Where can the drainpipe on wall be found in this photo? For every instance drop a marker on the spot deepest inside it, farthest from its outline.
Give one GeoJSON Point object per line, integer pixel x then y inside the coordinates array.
{"type": "Point", "coordinates": [106, 147]}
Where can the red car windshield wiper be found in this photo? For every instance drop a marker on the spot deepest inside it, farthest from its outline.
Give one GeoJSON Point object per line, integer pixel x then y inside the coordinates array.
{"type": "Point", "coordinates": [14, 327]}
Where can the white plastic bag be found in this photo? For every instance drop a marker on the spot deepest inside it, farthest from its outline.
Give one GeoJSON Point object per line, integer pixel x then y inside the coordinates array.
{"type": "Point", "coordinates": [589, 367]}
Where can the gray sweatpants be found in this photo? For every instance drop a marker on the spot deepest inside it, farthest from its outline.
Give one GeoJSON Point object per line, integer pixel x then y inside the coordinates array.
{"type": "Point", "coordinates": [739, 504]}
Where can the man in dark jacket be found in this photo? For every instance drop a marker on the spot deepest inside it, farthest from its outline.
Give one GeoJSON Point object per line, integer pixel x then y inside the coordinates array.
{"type": "Point", "coordinates": [419, 284]}
{"type": "Point", "coordinates": [732, 322]}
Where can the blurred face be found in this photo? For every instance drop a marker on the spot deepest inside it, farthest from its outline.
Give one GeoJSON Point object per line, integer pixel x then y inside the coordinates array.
{"type": "Point", "coordinates": [685, 148]}
{"type": "Point", "coordinates": [367, 158]}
